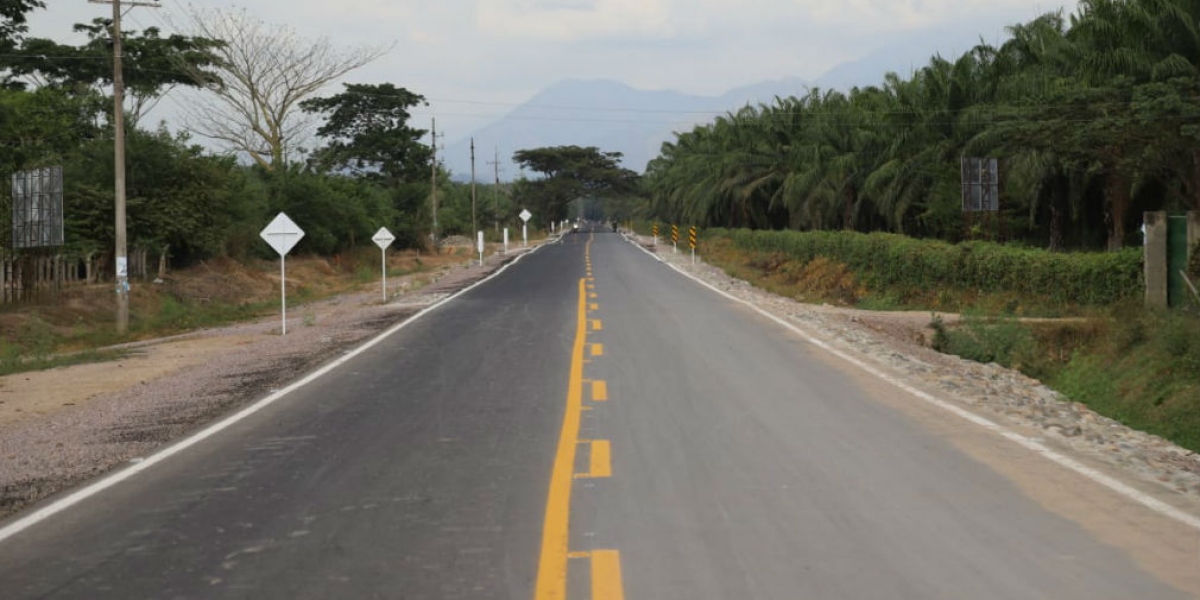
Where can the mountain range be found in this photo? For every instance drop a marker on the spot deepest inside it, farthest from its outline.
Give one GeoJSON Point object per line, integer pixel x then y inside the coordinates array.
{"type": "Point", "coordinates": [616, 117]}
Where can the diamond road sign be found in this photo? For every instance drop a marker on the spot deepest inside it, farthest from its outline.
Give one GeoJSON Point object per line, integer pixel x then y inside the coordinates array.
{"type": "Point", "coordinates": [383, 238]}
{"type": "Point", "coordinates": [525, 215]}
{"type": "Point", "coordinates": [282, 234]}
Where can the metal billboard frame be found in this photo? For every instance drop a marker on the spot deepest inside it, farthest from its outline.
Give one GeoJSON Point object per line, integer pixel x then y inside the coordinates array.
{"type": "Point", "coordinates": [980, 184]}
{"type": "Point", "coordinates": [37, 218]}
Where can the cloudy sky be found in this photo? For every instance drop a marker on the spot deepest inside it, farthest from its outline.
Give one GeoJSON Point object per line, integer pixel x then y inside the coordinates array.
{"type": "Point", "coordinates": [477, 59]}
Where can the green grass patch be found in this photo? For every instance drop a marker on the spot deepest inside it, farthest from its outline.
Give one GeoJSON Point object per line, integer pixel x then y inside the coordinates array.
{"type": "Point", "coordinates": [1141, 368]}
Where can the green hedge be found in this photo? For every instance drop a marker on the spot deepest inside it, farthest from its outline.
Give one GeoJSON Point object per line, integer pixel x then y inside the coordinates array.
{"type": "Point", "coordinates": [889, 260]}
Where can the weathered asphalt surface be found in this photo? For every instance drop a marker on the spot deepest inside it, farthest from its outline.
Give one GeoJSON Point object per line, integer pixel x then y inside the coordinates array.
{"type": "Point", "coordinates": [743, 465]}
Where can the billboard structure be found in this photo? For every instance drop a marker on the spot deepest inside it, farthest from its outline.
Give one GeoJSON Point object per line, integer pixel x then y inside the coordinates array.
{"type": "Point", "coordinates": [37, 208]}
{"type": "Point", "coordinates": [980, 185]}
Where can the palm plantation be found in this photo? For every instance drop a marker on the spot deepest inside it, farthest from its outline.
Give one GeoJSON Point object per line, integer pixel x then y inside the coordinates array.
{"type": "Point", "coordinates": [1094, 116]}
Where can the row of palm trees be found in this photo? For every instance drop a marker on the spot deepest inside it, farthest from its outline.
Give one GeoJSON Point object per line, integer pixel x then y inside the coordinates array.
{"type": "Point", "coordinates": [1094, 117]}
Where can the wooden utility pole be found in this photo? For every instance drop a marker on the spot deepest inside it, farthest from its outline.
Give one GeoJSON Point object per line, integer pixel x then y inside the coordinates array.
{"type": "Point", "coordinates": [474, 224]}
{"type": "Point", "coordinates": [433, 184]}
{"type": "Point", "coordinates": [496, 191]}
{"type": "Point", "coordinates": [121, 253]}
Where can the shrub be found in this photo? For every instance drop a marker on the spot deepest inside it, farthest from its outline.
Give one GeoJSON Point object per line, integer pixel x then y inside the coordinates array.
{"type": "Point", "coordinates": [883, 260]}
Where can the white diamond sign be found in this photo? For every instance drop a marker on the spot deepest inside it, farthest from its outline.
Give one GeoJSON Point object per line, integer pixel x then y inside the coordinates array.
{"type": "Point", "coordinates": [383, 238]}
{"type": "Point", "coordinates": [525, 215]}
{"type": "Point", "coordinates": [282, 234]}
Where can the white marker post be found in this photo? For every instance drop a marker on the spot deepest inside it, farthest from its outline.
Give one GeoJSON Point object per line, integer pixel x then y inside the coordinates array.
{"type": "Point", "coordinates": [479, 245]}
{"type": "Point", "coordinates": [525, 216]}
{"type": "Point", "coordinates": [505, 240]}
{"type": "Point", "coordinates": [384, 238]}
{"type": "Point", "coordinates": [282, 234]}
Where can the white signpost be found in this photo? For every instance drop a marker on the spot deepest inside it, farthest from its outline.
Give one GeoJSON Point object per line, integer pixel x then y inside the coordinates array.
{"type": "Point", "coordinates": [282, 234]}
{"type": "Point", "coordinates": [506, 240]}
{"type": "Point", "coordinates": [384, 238]}
{"type": "Point", "coordinates": [479, 246]}
{"type": "Point", "coordinates": [525, 216]}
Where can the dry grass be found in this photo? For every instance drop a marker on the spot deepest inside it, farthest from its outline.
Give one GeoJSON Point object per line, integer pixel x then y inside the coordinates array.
{"type": "Point", "coordinates": [214, 292]}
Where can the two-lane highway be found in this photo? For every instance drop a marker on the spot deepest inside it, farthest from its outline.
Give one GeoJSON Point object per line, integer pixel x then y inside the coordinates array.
{"type": "Point", "coordinates": [591, 424]}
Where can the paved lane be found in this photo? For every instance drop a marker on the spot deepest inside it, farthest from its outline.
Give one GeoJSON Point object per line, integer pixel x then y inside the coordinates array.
{"type": "Point", "coordinates": [747, 464]}
{"type": "Point", "coordinates": [417, 470]}
{"type": "Point", "coordinates": [591, 424]}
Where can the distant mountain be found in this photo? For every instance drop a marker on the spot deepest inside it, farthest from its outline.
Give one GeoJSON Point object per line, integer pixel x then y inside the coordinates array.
{"type": "Point", "coordinates": [609, 115]}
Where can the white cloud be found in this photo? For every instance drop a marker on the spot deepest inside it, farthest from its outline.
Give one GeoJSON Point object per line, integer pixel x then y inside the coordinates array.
{"type": "Point", "coordinates": [486, 55]}
{"type": "Point", "coordinates": [565, 20]}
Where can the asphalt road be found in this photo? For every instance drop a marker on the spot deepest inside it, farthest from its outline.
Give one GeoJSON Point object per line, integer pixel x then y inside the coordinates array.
{"type": "Point", "coordinates": [590, 424]}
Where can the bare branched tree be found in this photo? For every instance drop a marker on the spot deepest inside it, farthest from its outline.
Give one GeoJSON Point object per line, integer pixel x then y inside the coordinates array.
{"type": "Point", "coordinates": [265, 72]}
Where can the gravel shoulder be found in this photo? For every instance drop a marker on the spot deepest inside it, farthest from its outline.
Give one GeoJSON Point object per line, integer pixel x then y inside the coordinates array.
{"type": "Point", "coordinates": [892, 342]}
{"type": "Point", "coordinates": [63, 426]}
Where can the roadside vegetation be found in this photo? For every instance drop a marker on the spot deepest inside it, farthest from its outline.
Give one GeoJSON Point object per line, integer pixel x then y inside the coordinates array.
{"type": "Point", "coordinates": [1139, 366]}
{"type": "Point", "coordinates": [1093, 116]}
{"type": "Point", "coordinates": [77, 326]}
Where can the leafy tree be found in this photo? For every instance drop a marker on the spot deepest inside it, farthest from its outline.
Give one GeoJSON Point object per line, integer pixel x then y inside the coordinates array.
{"type": "Point", "coordinates": [13, 18]}
{"type": "Point", "coordinates": [570, 172]}
{"type": "Point", "coordinates": [177, 197]}
{"type": "Point", "coordinates": [152, 64]}
{"type": "Point", "coordinates": [369, 133]}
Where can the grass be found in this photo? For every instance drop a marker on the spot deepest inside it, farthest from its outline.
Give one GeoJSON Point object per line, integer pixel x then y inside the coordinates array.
{"type": "Point", "coordinates": [825, 281]}
{"type": "Point", "coordinates": [32, 349]}
{"type": "Point", "coordinates": [78, 325]}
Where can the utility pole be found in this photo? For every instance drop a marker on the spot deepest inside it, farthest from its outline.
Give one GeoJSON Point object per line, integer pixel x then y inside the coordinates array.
{"type": "Point", "coordinates": [121, 253]}
{"type": "Point", "coordinates": [496, 192]}
{"type": "Point", "coordinates": [474, 224]}
{"type": "Point", "coordinates": [433, 184]}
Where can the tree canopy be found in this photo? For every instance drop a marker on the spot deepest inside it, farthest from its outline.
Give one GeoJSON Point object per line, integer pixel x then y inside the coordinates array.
{"type": "Point", "coordinates": [1094, 118]}
{"type": "Point", "coordinates": [367, 126]}
{"type": "Point", "coordinates": [571, 172]}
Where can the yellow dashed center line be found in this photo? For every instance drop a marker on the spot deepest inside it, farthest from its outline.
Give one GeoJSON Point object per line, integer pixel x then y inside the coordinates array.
{"type": "Point", "coordinates": [552, 562]}
{"type": "Point", "coordinates": [606, 575]}
{"type": "Point", "coordinates": [599, 460]}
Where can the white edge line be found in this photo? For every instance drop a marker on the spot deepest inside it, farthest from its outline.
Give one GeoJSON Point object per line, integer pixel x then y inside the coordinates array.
{"type": "Point", "coordinates": [113, 479]}
{"type": "Point", "coordinates": [1121, 488]}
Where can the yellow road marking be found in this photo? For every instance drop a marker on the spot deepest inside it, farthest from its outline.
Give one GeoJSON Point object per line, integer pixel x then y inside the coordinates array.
{"type": "Point", "coordinates": [597, 349]}
{"type": "Point", "coordinates": [599, 460]}
{"type": "Point", "coordinates": [552, 563]}
{"type": "Point", "coordinates": [592, 295]}
{"type": "Point", "coordinates": [594, 306]}
{"type": "Point", "coordinates": [599, 391]}
{"type": "Point", "coordinates": [578, 554]}
{"type": "Point", "coordinates": [597, 325]}
{"type": "Point", "coordinates": [606, 575]}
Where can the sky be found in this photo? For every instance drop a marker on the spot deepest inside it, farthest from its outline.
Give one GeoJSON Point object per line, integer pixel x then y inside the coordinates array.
{"type": "Point", "coordinates": [476, 60]}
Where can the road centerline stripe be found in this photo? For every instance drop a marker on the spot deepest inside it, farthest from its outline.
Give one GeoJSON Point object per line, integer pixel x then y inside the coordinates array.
{"type": "Point", "coordinates": [599, 391]}
{"type": "Point", "coordinates": [606, 575]}
{"type": "Point", "coordinates": [552, 564]}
